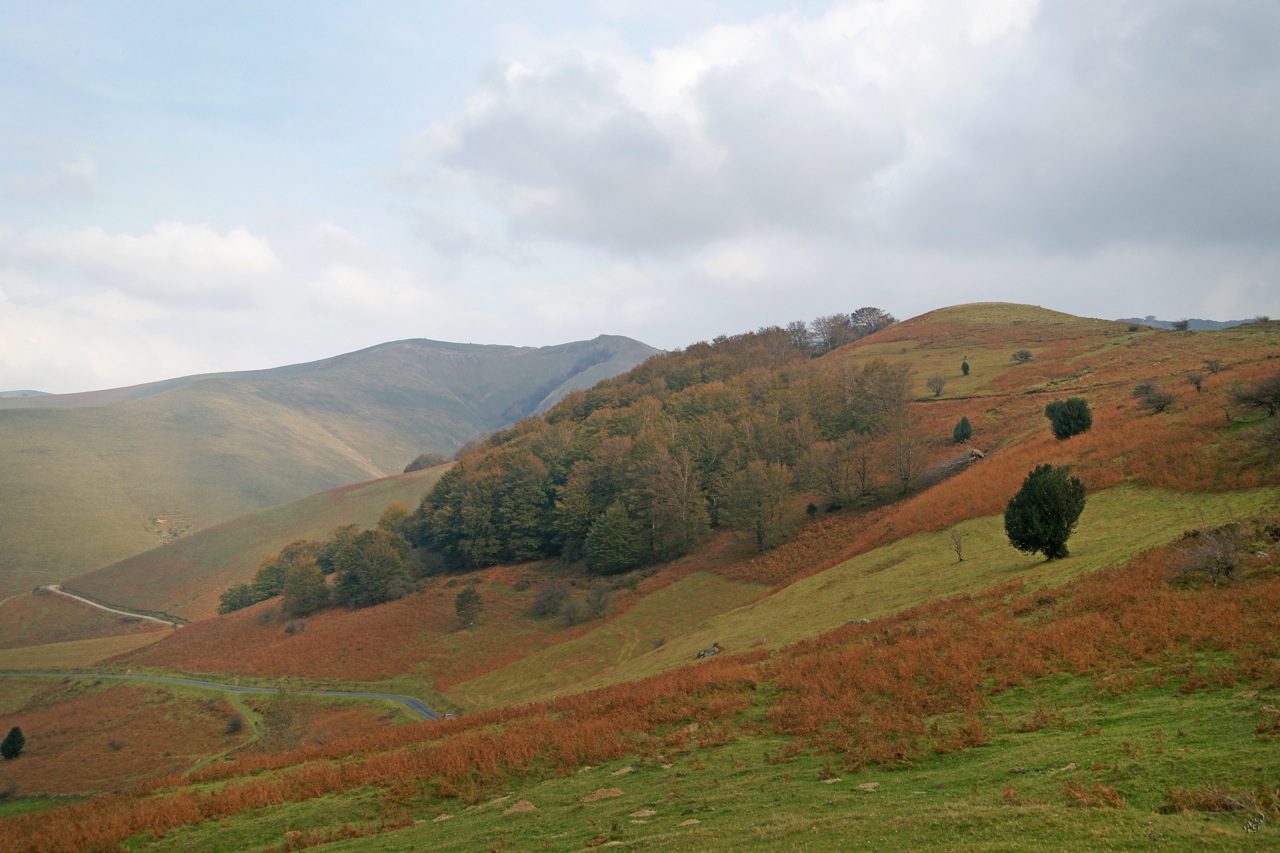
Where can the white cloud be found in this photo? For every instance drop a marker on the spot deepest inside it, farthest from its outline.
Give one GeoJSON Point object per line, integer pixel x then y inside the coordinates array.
{"type": "Point", "coordinates": [174, 262]}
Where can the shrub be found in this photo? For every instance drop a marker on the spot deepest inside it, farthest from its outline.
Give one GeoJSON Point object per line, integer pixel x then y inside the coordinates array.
{"type": "Point", "coordinates": [1069, 417]}
{"type": "Point", "coordinates": [430, 459]}
{"type": "Point", "coordinates": [1214, 554]}
{"type": "Point", "coordinates": [936, 383]}
{"type": "Point", "coordinates": [1263, 394]}
{"type": "Point", "coordinates": [1042, 516]}
{"type": "Point", "coordinates": [11, 746]}
{"type": "Point", "coordinates": [1195, 379]}
{"type": "Point", "coordinates": [1213, 365]}
{"type": "Point", "coordinates": [550, 598]}
{"type": "Point", "coordinates": [235, 724]}
{"type": "Point", "coordinates": [599, 599]}
{"type": "Point", "coordinates": [1022, 356]}
{"type": "Point", "coordinates": [1180, 325]}
{"type": "Point", "coordinates": [1150, 396]}
{"type": "Point", "coordinates": [468, 605]}
{"type": "Point", "coordinates": [964, 367]}
{"type": "Point", "coordinates": [963, 431]}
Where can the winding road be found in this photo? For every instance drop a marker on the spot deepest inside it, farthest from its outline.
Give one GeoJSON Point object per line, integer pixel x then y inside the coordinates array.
{"type": "Point", "coordinates": [414, 705]}
{"type": "Point", "coordinates": [57, 588]}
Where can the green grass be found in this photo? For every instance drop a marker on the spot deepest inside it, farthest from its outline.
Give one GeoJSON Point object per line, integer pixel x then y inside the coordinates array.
{"type": "Point", "coordinates": [1140, 744]}
{"type": "Point", "coordinates": [1117, 524]}
{"type": "Point", "coordinates": [637, 633]}
{"type": "Point", "coordinates": [134, 467]}
{"type": "Point", "coordinates": [185, 577]}
{"type": "Point", "coordinates": [74, 654]}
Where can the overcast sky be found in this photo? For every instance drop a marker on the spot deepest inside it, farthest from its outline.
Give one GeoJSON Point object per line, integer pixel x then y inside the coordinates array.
{"type": "Point", "coordinates": [192, 187]}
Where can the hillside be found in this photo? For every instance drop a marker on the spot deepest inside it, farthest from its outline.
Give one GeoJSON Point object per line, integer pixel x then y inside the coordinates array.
{"type": "Point", "coordinates": [137, 467]}
{"type": "Point", "coordinates": [872, 685]}
{"type": "Point", "coordinates": [184, 578]}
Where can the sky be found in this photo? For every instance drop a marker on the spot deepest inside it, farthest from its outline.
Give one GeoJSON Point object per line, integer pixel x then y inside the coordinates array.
{"type": "Point", "coordinates": [197, 187]}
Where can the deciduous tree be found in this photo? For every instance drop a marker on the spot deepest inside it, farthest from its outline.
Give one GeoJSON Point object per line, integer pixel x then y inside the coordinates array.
{"type": "Point", "coordinates": [468, 605]}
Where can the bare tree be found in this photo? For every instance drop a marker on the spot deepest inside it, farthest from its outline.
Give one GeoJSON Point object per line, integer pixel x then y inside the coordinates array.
{"type": "Point", "coordinates": [1213, 365]}
{"type": "Point", "coordinates": [957, 544]}
{"type": "Point", "coordinates": [1212, 553]}
{"type": "Point", "coordinates": [1022, 356]}
{"type": "Point", "coordinates": [1263, 394]}
{"type": "Point", "coordinates": [1195, 380]}
{"type": "Point", "coordinates": [908, 450]}
{"type": "Point", "coordinates": [936, 383]}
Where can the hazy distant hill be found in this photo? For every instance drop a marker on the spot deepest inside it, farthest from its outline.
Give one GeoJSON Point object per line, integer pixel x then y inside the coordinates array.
{"type": "Point", "coordinates": [95, 477]}
{"type": "Point", "coordinates": [1194, 324]}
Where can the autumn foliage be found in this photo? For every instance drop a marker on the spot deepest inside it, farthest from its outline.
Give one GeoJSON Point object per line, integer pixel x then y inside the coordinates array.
{"type": "Point", "coordinates": [882, 693]}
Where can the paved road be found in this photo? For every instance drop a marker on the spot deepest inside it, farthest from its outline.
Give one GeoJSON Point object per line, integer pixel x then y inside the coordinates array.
{"type": "Point", "coordinates": [409, 702]}
{"type": "Point", "coordinates": [53, 587]}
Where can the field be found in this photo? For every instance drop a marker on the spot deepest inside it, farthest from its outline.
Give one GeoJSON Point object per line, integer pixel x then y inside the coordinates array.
{"type": "Point", "coordinates": [873, 688]}
{"type": "Point", "coordinates": [1082, 713]}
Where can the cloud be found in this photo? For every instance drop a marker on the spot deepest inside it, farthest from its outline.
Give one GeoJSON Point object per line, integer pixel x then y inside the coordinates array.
{"type": "Point", "coordinates": [174, 262]}
{"type": "Point", "coordinates": [988, 124]}
{"type": "Point", "coordinates": [785, 124]}
{"type": "Point", "coordinates": [73, 178]}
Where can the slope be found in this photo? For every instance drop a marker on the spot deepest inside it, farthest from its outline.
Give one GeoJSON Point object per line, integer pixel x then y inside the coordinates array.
{"type": "Point", "coordinates": [184, 578]}
{"type": "Point", "coordinates": [129, 469]}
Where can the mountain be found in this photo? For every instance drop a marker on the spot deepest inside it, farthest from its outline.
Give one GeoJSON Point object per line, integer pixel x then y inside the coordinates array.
{"type": "Point", "coordinates": [95, 477]}
{"type": "Point", "coordinates": [1195, 325]}
{"type": "Point", "coordinates": [4, 395]}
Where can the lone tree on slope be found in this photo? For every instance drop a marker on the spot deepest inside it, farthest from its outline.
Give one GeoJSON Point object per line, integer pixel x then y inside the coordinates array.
{"type": "Point", "coordinates": [13, 743]}
{"type": "Point", "coordinates": [468, 605]}
{"type": "Point", "coordinates": [1069, 417]}
{"type": "Point", "coordinates": [1042, 516]}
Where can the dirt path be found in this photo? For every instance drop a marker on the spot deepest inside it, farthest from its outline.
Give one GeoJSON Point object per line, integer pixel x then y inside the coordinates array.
{"type": "Point", "coordinates": [414, 705]}
{"type": "Point", "coordinates": [57, 588]}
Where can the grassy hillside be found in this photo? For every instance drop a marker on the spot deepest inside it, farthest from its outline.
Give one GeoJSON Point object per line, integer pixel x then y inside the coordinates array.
{"type": "Point", "coordinates": [133, 468]}
{"type": "Point", "coordinates": [873, 689]}
{"type": "Point", "coordinates": [185, 577]}
{"type": "Point", "coordinates": [1101, 714]}
{"type": "Point", "coordinates": [38, 618]}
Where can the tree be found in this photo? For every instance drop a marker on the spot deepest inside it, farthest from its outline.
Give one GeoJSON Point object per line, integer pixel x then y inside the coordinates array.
{"type": "Point", "coordinates": [1180, 325]}
{"type": "Point", "coordinates": [1151, 396]}
{"type": "Point", "coordinates": [936, 383]}
{"type": "Point", "coordinates": [1195, 379]}
{"type": "Point", "coordinates": [908, 450]}
{"type": "Point", "coordinates": [468, 604]}
{"type": "Point", "coordinates": [964, 367]}
{"type": "Point", "coordinates": [1213, 365]}
{"type": "Point", "coordinates": [599, 599]}
{"type": "Point", "coordinates": [13, 743]}
{"type": "Point", "coordinates": [869, 320]}
{"type": "Point", "coordinates": [1263, 394]}
{"type": "Point", "coordinates": [236, 597]}
{"type": "Point", "coordinates": [430, 459]}
{"type": "Point", "coordinates": [305, 591]}
{"type": "Point", "coordinates": [550, 598]}
{"type": "Point", "coordinates": [963, 431]}
{"type": "Point", "coordinates": [756, 501]}
{"type": "Point", "coordinates": [613, 544]}
{"type": "Point", "coordinates": [371, 569]}
{"type": "Point", "coordinates": [1042, 516]}
{"type": "Point", "coordinates": [1022, 356]}
{"type": "Point", "coordinates": [1069, 417]}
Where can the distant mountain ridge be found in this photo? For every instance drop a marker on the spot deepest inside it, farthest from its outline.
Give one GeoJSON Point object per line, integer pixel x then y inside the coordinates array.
{"type": "Point", "coordinates": [135, 467]}
{"type": "Point", "coordinates": [1194, 324]}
